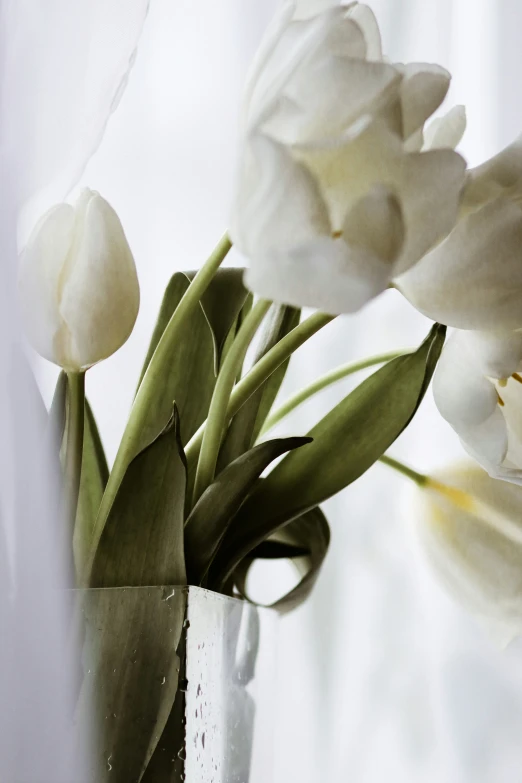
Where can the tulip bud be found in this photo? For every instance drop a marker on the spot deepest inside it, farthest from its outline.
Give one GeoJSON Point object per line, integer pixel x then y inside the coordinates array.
{"type": "Point", "coordinates": [471, 531]}
{"type": "Point", "coordinates": [79, 291]}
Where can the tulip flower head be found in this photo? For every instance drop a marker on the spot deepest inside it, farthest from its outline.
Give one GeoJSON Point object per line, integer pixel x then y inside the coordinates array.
{"type": "Point", "coordinates": [478, 389]}
{"type": "Point", "coordinates": [335, 195]}
{"type": "Point", "coordinates": [473, 279]}
{"type": "Point", "coordinates": [470, 529]}
{"type": "Point", "coordinates": [79, 291]}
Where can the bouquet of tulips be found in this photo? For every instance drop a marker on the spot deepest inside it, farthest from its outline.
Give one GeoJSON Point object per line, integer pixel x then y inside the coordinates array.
{"type": "Point", "coordinates": [346, 186]}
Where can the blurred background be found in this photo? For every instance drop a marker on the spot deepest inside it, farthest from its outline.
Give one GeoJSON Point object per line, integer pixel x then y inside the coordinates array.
{"type": "Point", "coordinates": [380, 675]}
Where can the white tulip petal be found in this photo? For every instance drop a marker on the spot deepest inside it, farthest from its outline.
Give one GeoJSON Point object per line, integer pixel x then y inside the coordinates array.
{"type": "Point", "coordinates": [287, 48]}
{"type": "Point", "coordinates": [323, 273]}
{"type": "Point", "coordinates": [476, 551]}
{"type": "Point", "coordinates": [446, 132]}
{"type": "Point", "coordinates": [487, 442]}
{"type": "Point", "coordinates": [268, 46]}
{"type": "Point", "coordinates": [376, 225]}
{"type": "Point", "coordinates": [39, 276]}
{"type": "Point", "coordinates": [486, 415]}
{"type": "Point", "coordinates": [278, 204]}
{"type": "Point", "coordinates": [473, 280]}
{"type": "Point", "coordinates": [415, 143]}
{"type": "Point", "coordinates": [334, 275]}
{"type": "Point", "coordinates": [330, 97]}
{"type": "Point", "coordinates": [502, 175]}
{"type": "Point", "coordinates": [428, 184]}
{"type": "Point", "coordinates": [100, 295]}
{"type": "Point", "coordinates": [497, 354]}
{"type": "Point", "coordinates": [423, 89]}
{"type": "Point", "coordinates": [464, 396]}
{"type": "Point", "coordinates": [366, 20]}
{"type": "Point", "coordinates": [512, 411]}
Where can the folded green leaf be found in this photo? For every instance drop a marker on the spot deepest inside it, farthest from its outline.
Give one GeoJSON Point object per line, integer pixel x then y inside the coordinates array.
{"type": "Point", "coordinates": [221, 304]}
{"type": "Point", "coordinates": [142, 542]}
{"type": "Point", "coordinates": [346, 442]}
{"type": "Point", "coordinates": [191, 467]}
{"type": "Point", "coordinates": [247, 423]}
{"type": "Point", "coordinates": [212, 514]}
{"type": "Point", "coordinates": [306, 538]}
{"type": "Point", "coordinates": [95, 473]}
{"type": "Point", "coordinates": [278, 550]}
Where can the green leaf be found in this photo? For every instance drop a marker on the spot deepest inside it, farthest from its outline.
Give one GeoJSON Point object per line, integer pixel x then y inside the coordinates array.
{"type": "Point", "coordinates": [131, 639]}
{"type": "Point", "coordinates": [221, 303]}
{"type": "Point", "coordinates": [306, 538]}
{"type": "Point", "coordinates": [247, 423]}
{"type": "Point", "coordinates": [189, 377]}
{"type": "Point", "coordinates": [191, 467]}
{"type": "Point", "coordinates": [95, 473]}
{"type": "Point", "coordinates": [273, 549]}
{"type": "Point", "coordinates": [346, 442]}
{"type": "Point", "coordinates": [57, 415]}
{"type": "Point", "coordinates": [142, 542]}
{"type": "Point", "coordinates": [210, 517]}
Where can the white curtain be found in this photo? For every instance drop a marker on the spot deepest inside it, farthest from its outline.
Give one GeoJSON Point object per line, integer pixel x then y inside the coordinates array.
{"type": "Point", "coordinates": [381, 676]}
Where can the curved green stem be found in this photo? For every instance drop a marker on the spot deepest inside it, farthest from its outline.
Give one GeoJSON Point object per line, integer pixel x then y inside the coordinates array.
{"type": "Point", "coordinates": [218, 411]}
{"type": "Point", "coordinates": [74, 442]}
{"type": "Point", "coordinates": [322, 383]}
{"type": "Point", "coordinates": [260, 372]}
{"type": "Point", "coordinates": [131, 437]}
{"type": "Point", "coordinates": [419, 478]}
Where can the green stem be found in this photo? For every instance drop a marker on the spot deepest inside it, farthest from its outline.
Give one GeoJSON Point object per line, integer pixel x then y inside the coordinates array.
{"type": "Point", "coordinates": [322, 383]}
{"type": "Point", "coordinates": [152, 377]}
{"type": "Point", "coordinates": [419, 478]}
{"type": "Point", "coordinates": [260, 372]}
{"type": "Point", "coordinates": [74, 442]}
{"type": "Point", "coordinates": [218, 411]}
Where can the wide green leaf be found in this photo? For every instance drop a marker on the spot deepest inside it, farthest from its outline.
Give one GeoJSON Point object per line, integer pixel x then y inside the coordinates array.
{"type": "Point", "coordinates": [212, 514]}
{"type": "Point", "coordinates": [130, 640]}
{"type": "Point", "coordinates": [188, 378]}
{"type": "Point", "coordinates": [95, 473]}
{"type": "Point", "coordinates": [190, 375]}
{"type": "Point", "coordinates": [304, 540]}
{"type": "Point", "coordinates": [142, 542]}
{"type": "Point", "coordinates": [346, 442]}
{"type": "Point", "coordinates": [247, 423]}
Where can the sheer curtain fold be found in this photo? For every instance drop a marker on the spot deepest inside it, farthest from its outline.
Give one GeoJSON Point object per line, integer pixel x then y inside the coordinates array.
{"type": "Point", "coordinates": [63, 67]}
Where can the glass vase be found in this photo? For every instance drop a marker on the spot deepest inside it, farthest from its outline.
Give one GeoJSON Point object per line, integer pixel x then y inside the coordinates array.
{"type": "Point", "coordinates": [175, 684]}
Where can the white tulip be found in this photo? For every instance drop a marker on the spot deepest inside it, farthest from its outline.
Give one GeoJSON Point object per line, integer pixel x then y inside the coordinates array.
{"type": "Point", "coordinates": [79, 291]}
{"type": "Point", "coordinates": [478, 389]}
{"type": "Point", "coordinates": [473, 279]}
{"type": "Point", "coordinates": [331, 202]}
{"type": "Point", "coordinates": [470, 529]}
